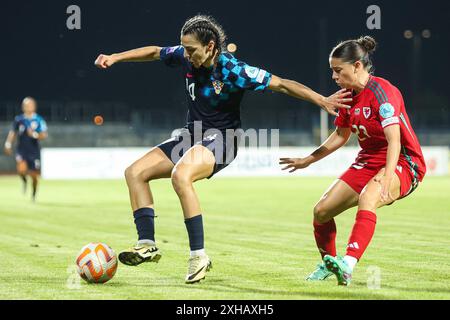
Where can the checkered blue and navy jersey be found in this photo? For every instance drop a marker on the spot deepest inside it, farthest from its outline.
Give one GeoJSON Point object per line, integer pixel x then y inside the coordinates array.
{"type": "Point", "coordinates": [215, 94]}
{"type": "Point", "coordinates": [27, 145]}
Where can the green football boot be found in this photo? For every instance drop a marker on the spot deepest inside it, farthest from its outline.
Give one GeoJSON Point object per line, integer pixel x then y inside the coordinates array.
{"type": "Point", "coordinates": [320, 274]}
{"type": "Point", "coordinates": [339, 267]}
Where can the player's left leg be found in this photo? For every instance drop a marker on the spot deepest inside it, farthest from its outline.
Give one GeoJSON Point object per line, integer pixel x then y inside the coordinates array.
{"type": "Point", "coordinates": [22, 170]}
{"type": "Point", "coordinates": [364, 226]}
{"type": "Point", "coordinates": [196, 164]}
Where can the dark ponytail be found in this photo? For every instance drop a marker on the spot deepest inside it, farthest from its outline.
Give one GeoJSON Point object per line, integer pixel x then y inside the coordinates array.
{"type": "Point", "coordinates": [360, 49]}
{"type": "Point", "coordinates": [206, 28]}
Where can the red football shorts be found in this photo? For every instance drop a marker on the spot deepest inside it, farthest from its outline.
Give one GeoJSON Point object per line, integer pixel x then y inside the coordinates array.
{"type": "Point", "coordinates": [358, 177]}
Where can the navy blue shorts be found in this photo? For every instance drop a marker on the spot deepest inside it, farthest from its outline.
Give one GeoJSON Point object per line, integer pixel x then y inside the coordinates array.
{"type": "Point", "coordinates": [222, 146]}
{"type": "Point", "coordinates": [33, 160]}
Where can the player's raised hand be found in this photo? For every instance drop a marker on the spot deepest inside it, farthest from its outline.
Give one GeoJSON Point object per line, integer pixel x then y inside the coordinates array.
{"type": "Point", "coordinates": [8, 151]}
{"type": "Point", "coordinates": [104, 61]}
{"type": "Point", "coordinates": [336, 101]}
{"type": "Point", "coordinates": [295, 163]}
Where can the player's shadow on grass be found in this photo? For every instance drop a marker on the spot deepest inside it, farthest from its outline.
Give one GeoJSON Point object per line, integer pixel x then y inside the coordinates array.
{"type": "Point", "coordinates": [307, 292]}
{"type": "Point", "coordinates": [222, 285]}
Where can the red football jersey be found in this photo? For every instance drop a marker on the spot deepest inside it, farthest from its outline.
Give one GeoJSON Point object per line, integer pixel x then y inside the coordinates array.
{"type": "Point", "coordinates": [376, 107]}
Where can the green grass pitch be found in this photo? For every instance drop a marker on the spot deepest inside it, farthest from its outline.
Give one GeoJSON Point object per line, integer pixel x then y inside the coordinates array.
{"type": "Point", "coordinates": [258, 234]}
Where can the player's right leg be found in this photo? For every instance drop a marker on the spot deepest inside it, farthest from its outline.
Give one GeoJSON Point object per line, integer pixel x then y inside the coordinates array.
{"type": "Point", "coordinates": [196, 164]}
{"type": "Point", "coordinates": [34, 169]}
{"type": "Point", "coordinates": [22, 170]}
{"type": "Point", "coordinates": [34, 174]}
{"type": "Point", "coordinates": [338, 198]}
{"type": "Point", "coordinates": [154, 165]}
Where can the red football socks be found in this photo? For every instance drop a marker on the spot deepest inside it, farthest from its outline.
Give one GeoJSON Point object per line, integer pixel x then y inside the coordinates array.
{"type": "Point", "coordinates": [362, 233]}
{"type": "Point", "coordinates": [325, 235]}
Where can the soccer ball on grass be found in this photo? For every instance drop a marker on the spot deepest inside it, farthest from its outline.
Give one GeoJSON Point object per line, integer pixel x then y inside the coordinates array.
{"type": "Point", "coordinates": [96, 263]}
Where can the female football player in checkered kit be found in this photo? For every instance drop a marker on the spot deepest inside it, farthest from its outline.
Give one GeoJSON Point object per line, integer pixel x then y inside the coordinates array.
{"type": "Point", "coordinates": [215, 82]}
{"type": "Point", "coordinates": [388, 168]}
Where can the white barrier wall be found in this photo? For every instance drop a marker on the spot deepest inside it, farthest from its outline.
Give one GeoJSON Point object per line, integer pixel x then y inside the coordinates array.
{"type": "Point", "coordinates": [110, 163]}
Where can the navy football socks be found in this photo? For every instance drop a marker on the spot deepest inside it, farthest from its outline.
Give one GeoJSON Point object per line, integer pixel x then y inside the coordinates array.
{"type": "Point", "coordinates": [145, 225]}
{"type": "Point", "coordinates": [194, 228]}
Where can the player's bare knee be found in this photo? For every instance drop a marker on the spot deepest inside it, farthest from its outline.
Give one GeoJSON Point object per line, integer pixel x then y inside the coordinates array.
{"type": "Point", "coordinates": [132, 174]}
{"type": "Point", "coordinates": [180, 180]}
{"type": "Point", "coordinates": [320, 213]}
{"type": "Point", "coordinates": [22, 169]}
{"type": "Point", "coordinates": [127, 173]}
{"type": "Point", "coordinates": [368, 199]}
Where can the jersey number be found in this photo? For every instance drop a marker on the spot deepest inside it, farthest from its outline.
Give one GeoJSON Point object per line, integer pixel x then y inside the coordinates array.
{"type": "Point", "coordinates": [361, 132]}
{"type": "Point", "coordinates": [191, 89]}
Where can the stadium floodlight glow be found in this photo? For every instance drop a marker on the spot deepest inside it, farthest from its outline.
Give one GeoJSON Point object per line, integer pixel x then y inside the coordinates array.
{"type": "Point", "coordinates": [426, 34]}
{"type": "Point", "coordinates": [231, 47]}
{"type": "Point", "coordinates": [408, 34]}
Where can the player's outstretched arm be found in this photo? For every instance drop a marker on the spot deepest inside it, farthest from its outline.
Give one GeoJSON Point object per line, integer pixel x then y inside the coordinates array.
{"type": "Point", "coordinates": [336, 140]}
{"type": "Point", "coordinates": [300, 91]}
{"type": "Point", "coordinates": [9, 142]}
{"type": "Point", "coordinates": [144, 54]}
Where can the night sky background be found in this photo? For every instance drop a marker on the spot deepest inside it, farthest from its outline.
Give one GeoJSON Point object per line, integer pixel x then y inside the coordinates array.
{"type": "Point", "coordinates": [42, 58]}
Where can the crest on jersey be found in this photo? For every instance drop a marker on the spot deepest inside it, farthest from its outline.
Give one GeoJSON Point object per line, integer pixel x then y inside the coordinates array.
{"type": "Point", "coordinates": [34, 125]}
{"type": "Point", "coordinates": [367, 112]}
{"type": "Point", "coordinates": [217, 86]}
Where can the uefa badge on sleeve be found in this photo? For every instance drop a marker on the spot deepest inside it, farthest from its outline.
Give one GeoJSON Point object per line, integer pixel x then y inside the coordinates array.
{"type": "Point", "coordinates": [218, 86]}
{"type": "Point", "coordinates": [387, 110]}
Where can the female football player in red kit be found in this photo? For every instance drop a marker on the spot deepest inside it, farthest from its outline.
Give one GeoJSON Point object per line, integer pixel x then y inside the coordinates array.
{"type": "Point", "coordinates": [388, 168]}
